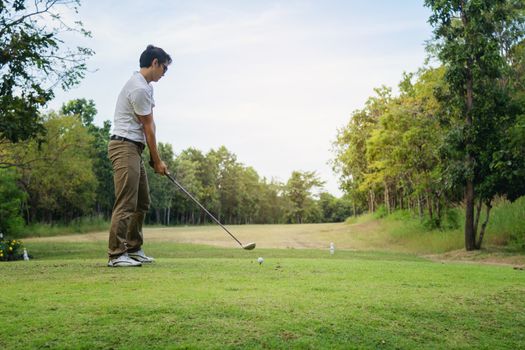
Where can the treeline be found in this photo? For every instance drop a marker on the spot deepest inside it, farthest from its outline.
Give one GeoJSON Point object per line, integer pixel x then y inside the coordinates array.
{"type": "Point", "coordinates": [65, 174]}
{"type": "Point", "coordinates": [454, 134]}
{"type": "Point", "coordinates": [235, 193]}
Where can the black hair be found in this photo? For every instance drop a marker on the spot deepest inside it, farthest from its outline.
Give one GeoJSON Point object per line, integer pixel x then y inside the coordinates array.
{"type": "Point", "coordinates": [152, 52]}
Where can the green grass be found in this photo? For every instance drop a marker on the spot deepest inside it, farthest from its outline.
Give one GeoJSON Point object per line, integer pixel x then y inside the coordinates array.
{"type": "Point", "coordinates": [506, 221]}
{"type": "Point", "coordinates": [405, 230]}
{"type": "Point", "coordinates": [197, 297]}
{"type": "Point", "coordinates": [360, 219]}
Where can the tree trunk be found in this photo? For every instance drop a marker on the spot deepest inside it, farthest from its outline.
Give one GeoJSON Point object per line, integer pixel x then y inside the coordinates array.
{"type": "Point", "coordinates": [438, 211]}
{"type": "Point", "coordinates": [387, 199]}
{"type": "Point", "coordinates": [470, 235]}
{"type": "Point", "coordinates": [157, 215]}
{"type": "Point", "coordinates": [429, 205]}
{"type": "Point", "coordinates": [484, 225]}
{"type": "Point", "coordinates": [477, 216]}
{"type": "Point", "coordinates": [419, 206]}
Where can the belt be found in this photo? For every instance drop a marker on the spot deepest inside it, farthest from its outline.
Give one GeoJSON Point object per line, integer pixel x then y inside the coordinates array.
{"type": "Point", "coordinates": [120, 138]}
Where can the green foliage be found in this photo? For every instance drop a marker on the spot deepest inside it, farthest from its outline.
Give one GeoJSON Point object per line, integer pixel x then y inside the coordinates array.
{"type": "Point", "coordinates": [390, 148]}
{"type": "Point", "coordinates": [83, 224]}
{"type": "Point", "coordinates": [33, 61]}
{"type": "Point", "coordinates": [455, 133]}
{"type": "Point", "coordinates": [407, 231]}
{"type": "Point", "coordinates": [83, 109]}
{"type": "Point", "coordinates": [298, 191]}
{"type": "Point", "coordinates": [234, 193]}
{"type": "Point", "coordinates": [507, 224]}
{"type": "Point", "coordinates": [475, 40]}
{"type": "Point", "coordinates": [86, 111]}
{"type": "Point", "coordinates": [334, 209]}
{"type": "Point", "coordinates": [11, 201]}
{"type": "Point", "coordinates": [381, 212]}
{"type": "Point", "coordinates": [161, 192]}
{"type": "Point", "coordinates": [59, 180]}
{"type": "Point", "coordinates": [11, 250]}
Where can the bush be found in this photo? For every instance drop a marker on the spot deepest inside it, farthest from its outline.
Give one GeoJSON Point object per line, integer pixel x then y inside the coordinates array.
{"type": "Point", "coordinates": [12, 197]}
{"type": "Point", "coordinates": [507, 223]}
{"type": "Point", "coordinates": [11, 250]}
{"type": "Point", "coordinates": [380, 212]}
{"type": "Point", "coordinates": [401, 214]}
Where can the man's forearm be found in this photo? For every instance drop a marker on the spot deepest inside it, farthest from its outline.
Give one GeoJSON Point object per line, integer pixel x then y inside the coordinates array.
{"type": "Point", "coordinates": [151, 140]}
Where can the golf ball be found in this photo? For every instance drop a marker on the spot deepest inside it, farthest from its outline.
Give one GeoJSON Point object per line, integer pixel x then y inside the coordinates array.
{"type": "Point", "coordinates": [260, 260]}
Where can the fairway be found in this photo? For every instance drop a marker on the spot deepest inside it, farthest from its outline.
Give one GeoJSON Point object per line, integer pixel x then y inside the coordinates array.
{"type": "Point", "coordinates": [318, 236]}
{"type": "Point", "coordinates": [207, 296]}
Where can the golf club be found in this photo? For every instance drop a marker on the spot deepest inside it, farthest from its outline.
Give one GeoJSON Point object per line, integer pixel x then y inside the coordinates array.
{"type": "Point", "coordinates": [249, 246]}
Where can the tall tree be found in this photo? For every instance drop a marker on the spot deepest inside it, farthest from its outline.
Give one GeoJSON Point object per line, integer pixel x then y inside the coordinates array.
{"type": "Point", "coordinates": [298, 190]}
{"type": "Point", "coordinates": [61, 183]}
{"type": "Point", "coordinates": [34, 60]}
{"type": "Point", "coordinates": [162, 193]}
{"type": "Point", "coordinates": [86, 111]}
{"type": "Point", "coordinates": [471, 38]}
{"type": "Point", "coordinates": [351, 148]}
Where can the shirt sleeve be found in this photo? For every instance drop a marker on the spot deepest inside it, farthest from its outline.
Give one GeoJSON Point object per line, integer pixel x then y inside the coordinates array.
{"type": "Point", "coordinates": [142, 101]}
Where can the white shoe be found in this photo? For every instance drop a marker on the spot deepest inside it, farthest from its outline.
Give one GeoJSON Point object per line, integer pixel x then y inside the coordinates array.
{"type": "Point", "coordinates": [140, 256]}
{"type": "Point", "coordinates": [123, 261]}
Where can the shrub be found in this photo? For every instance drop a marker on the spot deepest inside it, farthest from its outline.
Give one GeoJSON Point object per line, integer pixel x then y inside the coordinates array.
{"type": "Point", "coordinates": [11, 250]}
{"type": "Point", "coordinates": [11, 221]}
{"type": "Point", "coordinates": [380, 212]}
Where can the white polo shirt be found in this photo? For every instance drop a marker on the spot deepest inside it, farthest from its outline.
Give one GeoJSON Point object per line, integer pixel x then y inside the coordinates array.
{"type": "Point", "coordinates": [136, 98]}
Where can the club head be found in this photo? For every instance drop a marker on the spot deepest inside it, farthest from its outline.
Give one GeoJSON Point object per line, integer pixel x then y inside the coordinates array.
{"type": "Point", "coordinates": [249, 246]}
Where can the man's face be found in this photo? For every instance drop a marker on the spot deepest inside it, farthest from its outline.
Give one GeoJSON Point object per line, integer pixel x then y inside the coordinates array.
{"type": "Point", "coordinates": [159, 69]}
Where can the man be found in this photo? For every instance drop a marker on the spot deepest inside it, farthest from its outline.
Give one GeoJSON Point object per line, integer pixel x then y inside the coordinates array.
{"type": "Point", "coordinates": [133, 128]}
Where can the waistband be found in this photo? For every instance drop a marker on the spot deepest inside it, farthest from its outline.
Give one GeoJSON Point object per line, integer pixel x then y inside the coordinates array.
{"type": "Point", "coordinates": [120, 138]}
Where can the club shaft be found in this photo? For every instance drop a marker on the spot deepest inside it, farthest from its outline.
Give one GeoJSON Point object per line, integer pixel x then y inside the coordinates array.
{"type": "Point", "coordinates": [202, 207]}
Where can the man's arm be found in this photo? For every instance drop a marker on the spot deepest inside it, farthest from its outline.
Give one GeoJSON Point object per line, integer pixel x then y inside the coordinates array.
{"type": "Point", "coordinates": [149, 131]}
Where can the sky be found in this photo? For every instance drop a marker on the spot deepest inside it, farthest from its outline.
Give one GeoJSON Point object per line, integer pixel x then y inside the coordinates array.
{"type": "Point", "coordinates": [272, 81]}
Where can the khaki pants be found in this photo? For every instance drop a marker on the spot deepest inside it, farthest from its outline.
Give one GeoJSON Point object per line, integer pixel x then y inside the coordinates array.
{"type": "Point", "coordinates": [131, 198]}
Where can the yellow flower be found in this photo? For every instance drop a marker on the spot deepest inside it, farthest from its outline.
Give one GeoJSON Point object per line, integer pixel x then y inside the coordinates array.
{"type": "Point", "coordinates": [10, 249]}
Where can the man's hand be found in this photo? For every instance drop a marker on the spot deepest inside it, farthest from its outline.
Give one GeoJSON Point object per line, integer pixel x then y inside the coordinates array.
{"type": "Point", "coordinates": [160, 167]}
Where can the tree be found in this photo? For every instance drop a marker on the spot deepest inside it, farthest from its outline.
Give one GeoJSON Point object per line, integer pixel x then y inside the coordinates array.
{"type": "Point", "coordinates": [86, 111]}
{"type": "Point", "coordinates": [298, 191]}
{"type": "Point", "coordinates": [61, 183]}
{"type": "Point", "coordinates": [11, 204]}
{"type": "Point", "coordinates": [351, 148]}
{"type": "Point", "coordinates": [34, 60]}
{"type": "Point", "coordinates": [162, 193]}
{"type": "Point", "coordinates": [472, 38]}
